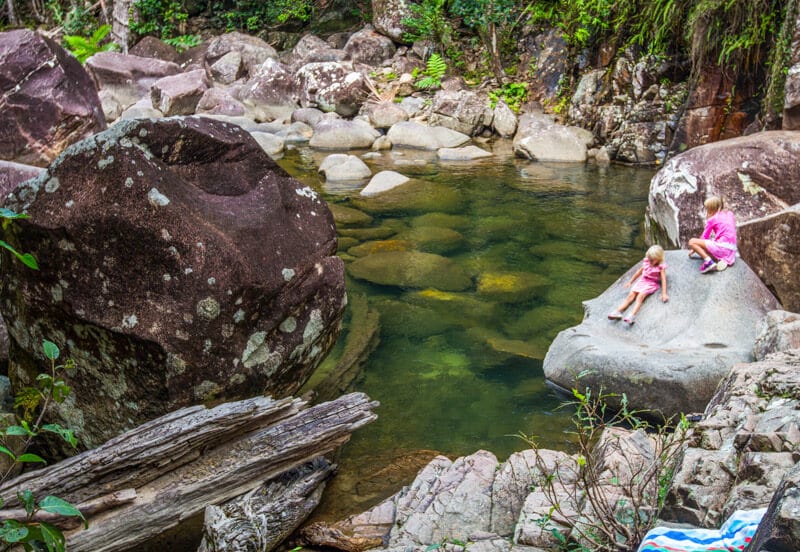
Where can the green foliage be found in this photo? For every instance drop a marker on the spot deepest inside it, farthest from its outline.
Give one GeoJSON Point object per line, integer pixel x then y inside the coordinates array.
{"type": "Point", "coordinates": [85, 47]}
{"type": "Point", "coordinates": [429, 22]}
{"type": "Point", "coordinates": [731, 32]}
{"type": "Point", "coordinates": [183, 42]}
{"type": "Point", "coordinates": [255, 15]}
{"type": "Point", "coordinates": [622, 496]}
{"type": "Point", "coordinates": [32, 533]}
{"type": "Point", "coordinates": [6, 216]}
{"type": "Point", "coordinates": [513, 93]}
{"type": "Point", "coordinates": [162, 18]}
{"type": "Point", "coordinates": [779, 62]}
{"type": "Point", "coordinates": [433, 73]}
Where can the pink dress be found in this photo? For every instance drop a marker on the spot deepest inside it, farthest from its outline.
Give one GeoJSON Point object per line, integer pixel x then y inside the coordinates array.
{"type": "Point", "coordinates": [720, 236]}
{"type": "Point", "coordinates": [650, 280]}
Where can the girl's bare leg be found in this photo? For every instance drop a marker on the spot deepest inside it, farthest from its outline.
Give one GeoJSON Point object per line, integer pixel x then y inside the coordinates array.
{"type": "Point", "coordinates": [699, 246]}
{"type": "Point", "coordinates": [640, 297]}
{"type": "Point", "coordinates": [626, 303]}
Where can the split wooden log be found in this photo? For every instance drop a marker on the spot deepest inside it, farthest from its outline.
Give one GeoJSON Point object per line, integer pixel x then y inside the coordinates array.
{"type": "Point", "coordinates": [264, 517]}
{"type": "Point", "coordinates": [88, 509]}
{"type": "Point", "coordinates": [184, 461]}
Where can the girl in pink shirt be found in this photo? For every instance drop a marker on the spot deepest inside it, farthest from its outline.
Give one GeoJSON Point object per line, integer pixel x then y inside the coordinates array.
{"type": "Point", "coordinates": [653, 274]}
{"type": "Point", "coordinates": [717, 245]}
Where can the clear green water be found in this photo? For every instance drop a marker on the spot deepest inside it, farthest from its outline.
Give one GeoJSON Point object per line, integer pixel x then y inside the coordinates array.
{"type": "Point", "coordinates": [462, 371]}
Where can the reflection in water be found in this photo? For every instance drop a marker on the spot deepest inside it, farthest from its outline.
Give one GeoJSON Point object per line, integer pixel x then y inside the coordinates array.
{"type": "Point", "coordinates": [496, 257]}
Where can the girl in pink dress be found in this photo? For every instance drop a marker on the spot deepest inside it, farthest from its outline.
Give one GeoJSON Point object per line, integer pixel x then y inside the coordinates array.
{"type": "Point", "coordinates": [717, 245]}
{"type": "Point", "coordinates": [653, 274]}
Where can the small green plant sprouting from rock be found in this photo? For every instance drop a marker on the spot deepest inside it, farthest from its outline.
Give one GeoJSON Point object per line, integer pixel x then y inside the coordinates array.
{"type": "Point", "coordinates": [29, 530]}
{"type": "Point", "coordinates": [7, 215]}
{"type": "Point", "coordinates": [183, 42]}
{"type": "Point", "coordinates": [83, 47]}
{"type": "Point", "coordinates": [513, 93]}
{"type": "Point", "coordinates": [433, 73]}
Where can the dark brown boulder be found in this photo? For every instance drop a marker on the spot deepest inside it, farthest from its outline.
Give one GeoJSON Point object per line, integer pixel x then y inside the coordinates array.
{"type": "Point", "coordinates": [48, 100]}
{"type": "Point", "coordinates": [756, 175]}
{"type": "Point", "coordinates": [127, 78]}
{"type": "Point", "coordinates": [179, 265]}
{"type": "Point", "coordinates": [151, 47]}
{"type": "Point", "coordinates": [367, 46]}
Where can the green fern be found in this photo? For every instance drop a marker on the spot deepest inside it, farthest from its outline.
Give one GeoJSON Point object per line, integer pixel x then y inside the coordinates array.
{"type": "Point", "coordinates": [433, 73]}
{"type": "Point", "coordinates": [85, 47]}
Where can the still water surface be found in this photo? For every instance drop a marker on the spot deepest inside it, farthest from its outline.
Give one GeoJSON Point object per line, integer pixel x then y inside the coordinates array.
{"type": "Point", "coordinates": [456, 372]}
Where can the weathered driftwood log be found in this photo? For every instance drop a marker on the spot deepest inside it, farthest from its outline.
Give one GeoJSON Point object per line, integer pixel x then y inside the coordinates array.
{"type": "Point", "coordinates": [264, 517]}
{"type": "Point", "coordinates": [89, 508]}
{"type": "Point", "coordinates": [150, 450]}
{"type": "Point", "coordinates": [184, 461]}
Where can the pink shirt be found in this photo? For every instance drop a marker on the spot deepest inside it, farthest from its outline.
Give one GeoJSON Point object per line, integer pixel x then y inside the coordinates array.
{"type": "Point", "coordinates": [721, 228]}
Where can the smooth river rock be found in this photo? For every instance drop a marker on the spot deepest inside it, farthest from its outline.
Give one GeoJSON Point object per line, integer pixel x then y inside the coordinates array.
{"type": "Point", "coordinates": [411, 269]}
{"type": "Point", "coordinates": [675, 354]}
{"type": "Point", "coordinates": [409, 134]}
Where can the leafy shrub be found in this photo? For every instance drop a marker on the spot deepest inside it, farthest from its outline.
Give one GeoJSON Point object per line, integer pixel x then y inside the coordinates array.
{"type": "Point", "coordinates": [621, 499]}
{"type": "Point", "coordinates": [32, 533]}
{"type": "Point", "coordinates": [255, 15]}
{"type": "Point", "coordinates": [513, 93]}
{"type": "Point", "coordinates": [184, 42]}
{"type": "Point", "coordinates": [85, 47]}
{"type": "Point", "coordinates": [163, 18]}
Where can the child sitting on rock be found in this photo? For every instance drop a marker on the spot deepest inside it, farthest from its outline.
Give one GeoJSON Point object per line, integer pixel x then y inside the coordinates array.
{"type": "Point", "coordinates": [717, 245]}
{"type": "Point", "coordinates": [653, 274]}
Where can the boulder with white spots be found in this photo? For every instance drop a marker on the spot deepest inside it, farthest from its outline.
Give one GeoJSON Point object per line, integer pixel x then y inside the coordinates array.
{"type": "Point", "coordinates": [331, 86]}
{"type": "Point", "coordinates": [179, 265]}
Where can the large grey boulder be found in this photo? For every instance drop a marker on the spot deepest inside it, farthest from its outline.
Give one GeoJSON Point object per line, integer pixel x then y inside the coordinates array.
{"type": "Point", "coordinates": [674, 356]}
{"type": "Point", "coordinates": [340, 134]}
{"type": "Point", "coordinates": [540, 138]}
{"type": "Point", "coordinates": [756, 175]}
{"type": "Point", "coordinates": [778, 331]}
{"type": "Point", "coordinates": [252, 50]}
{"type": "Point", "coordinates": [409, 134]}
{"type": "Point", "coordinates": [461, 110]}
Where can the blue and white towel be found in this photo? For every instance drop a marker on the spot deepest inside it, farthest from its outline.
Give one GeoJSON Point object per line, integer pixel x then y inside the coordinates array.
{"type": "Point", "coordinates": [734, 535]}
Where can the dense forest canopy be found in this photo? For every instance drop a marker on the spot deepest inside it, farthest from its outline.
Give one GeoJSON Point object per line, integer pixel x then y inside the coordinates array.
{"type": "Point", "coordinates": [749, 39]}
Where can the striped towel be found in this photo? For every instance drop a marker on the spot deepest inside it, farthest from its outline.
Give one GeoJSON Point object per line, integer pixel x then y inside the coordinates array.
{"type": "Point", "coordinates": [734, 535]}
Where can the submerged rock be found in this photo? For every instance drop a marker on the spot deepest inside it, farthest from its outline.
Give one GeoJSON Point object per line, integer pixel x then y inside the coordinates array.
{"type": "Point", "coordinates": [410, 269]}
{"type": "Point", "coordinates": [179, 264]}
{"type": "Point", "coordinates": [674, 356]}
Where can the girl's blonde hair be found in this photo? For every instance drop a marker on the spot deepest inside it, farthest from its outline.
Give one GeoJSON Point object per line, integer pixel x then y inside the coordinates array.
{"type": "Point", "coordinates": [655, 255]}
{"type": "Point", "coordinates": [714, 204]}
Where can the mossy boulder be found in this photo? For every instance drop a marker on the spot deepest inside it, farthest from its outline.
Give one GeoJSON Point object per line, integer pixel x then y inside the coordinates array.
{"type": "Point", "coordinates": [411, 269]}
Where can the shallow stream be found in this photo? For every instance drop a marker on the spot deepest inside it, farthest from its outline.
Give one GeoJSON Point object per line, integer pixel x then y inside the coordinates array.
{"type": "Point", "coordinates": [459, 371]}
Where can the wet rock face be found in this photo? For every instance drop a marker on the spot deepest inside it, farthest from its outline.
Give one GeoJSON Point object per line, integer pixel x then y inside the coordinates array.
{"type": "Point", "coordinates": [179, 264]}
{"type": "Point", "coordinates": [48, 100]}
